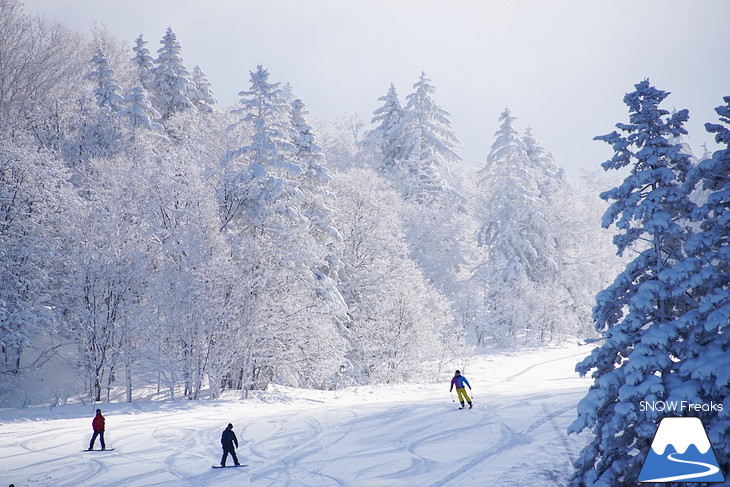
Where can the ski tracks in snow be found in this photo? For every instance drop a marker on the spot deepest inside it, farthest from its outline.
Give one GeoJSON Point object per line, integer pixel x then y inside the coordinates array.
{"type": "Point", "coordinates": [514, 436]}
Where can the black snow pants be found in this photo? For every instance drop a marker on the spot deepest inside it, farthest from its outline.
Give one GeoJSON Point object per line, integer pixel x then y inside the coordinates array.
{"type": "Point", "coordinates": [100, 434]}
{"type": "Point", "coordinates": [226, 450]}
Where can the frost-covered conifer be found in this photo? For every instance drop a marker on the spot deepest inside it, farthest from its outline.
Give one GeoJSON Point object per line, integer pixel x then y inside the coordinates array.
{"type": "Point", "coordinates": [139, 111]}
{"type": "Point", "coordinates": [387, 138]}
{"type": "Point", "coordinates": [201, 92]}
{"type": "Point", "coordinates": [430, 145]}
{"type": "Point", "coordinates": [107, 88]}
{"type": "Point", "coordinates": [551, 176]}
{"type": "Point", "coordinates": [637, 313]}
{"type": "Point", "coordinates": [170, 79]}
{"type": "Point", "coordinates": [318, 203]}
{"type": "Point", "coordinates": [703, 368]}
{"type": "Point", "coordinates": [142, 61]}
{"type": "Point", "coordinates": [519, 251]}
{"type": "Point", "coordinates": [263, 168]}
{"type": "Point", "coordinates": [264, 206]}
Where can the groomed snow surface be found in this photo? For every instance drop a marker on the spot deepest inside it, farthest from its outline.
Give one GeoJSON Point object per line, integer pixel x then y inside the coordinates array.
{"type": "Point", "coordinates": [375, 436]}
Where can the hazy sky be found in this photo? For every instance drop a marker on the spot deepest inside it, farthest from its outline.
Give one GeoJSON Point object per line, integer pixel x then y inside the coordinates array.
{"type": "Point", "coordinates": [562, 67]}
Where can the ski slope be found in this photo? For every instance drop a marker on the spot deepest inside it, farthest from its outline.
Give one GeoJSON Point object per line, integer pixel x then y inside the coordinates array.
{"type": "Point", "coordinates": [374, 436]}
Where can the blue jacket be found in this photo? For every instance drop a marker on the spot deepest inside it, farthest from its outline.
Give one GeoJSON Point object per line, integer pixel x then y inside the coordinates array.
{"type": "Point", "coordinates": [459, 382]}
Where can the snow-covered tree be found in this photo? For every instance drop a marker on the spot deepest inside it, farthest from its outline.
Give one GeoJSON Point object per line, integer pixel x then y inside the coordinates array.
{"type": "Point", "coordinates": [702, 370]}
{"type": "Point", "coordinates": [37, 210]}
{"type": "Point", "coordinates": [318, 202]}
{"type": "Point", "coordinates": [170, 79]}
{"type": "Point", "coordinates": [551, 177]}
{"type": "Point", "coordinates": [142, 61]}
{"type": "Point", "coordinates": [106, 88]}
{"type": "Point", "coordinates": [111, 263]}
{"type": "Point", "coordinates": [398, 319]}
{"type": "Point", "coordinates": [386, 140]}
{"type": "Point", "coordinates": [430, 145]}
{"type": "Point", "coordinates": [139, 112]}
{"type": "Point", "coordinates": [519, 248]}
{"type": "Point", "coordinates": [40, 65]}
{"type": "Point", "coordinates": [636, 314]}
{"type": "Point", "coordinates": [264, 210]}
{"type": "Point", "coordinates": [262, 171]}
{"type": "Point", "coordinates": [201, 91]}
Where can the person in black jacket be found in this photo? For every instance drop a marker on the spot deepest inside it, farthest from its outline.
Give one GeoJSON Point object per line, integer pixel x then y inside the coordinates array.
{"type": "Point", "coordinates": [228, 439]}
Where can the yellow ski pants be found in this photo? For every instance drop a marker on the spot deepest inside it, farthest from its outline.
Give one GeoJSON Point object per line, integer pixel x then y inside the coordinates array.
{"type": "Point", "coordinates": [463, 396]}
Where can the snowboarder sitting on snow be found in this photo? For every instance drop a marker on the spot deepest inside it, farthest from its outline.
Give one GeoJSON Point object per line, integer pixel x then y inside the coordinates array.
{"type": "Point", "coordinates": [228, 438]}
{"type": "Point", "coordinates": [459, 382]}
{"type": "Point", "coordinates": [98, 425]}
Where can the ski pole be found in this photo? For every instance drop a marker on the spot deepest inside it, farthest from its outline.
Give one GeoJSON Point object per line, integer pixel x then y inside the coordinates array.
{"type": "Point", "coordinates": [452, 396]}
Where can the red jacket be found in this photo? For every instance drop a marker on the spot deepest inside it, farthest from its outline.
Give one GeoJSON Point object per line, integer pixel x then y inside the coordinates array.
{"type": "Point", "coordinates": [98, 423]}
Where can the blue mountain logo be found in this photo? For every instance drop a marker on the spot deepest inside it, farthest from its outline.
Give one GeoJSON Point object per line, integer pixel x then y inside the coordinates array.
{"type": "Point", "coordinates": [681, 452]}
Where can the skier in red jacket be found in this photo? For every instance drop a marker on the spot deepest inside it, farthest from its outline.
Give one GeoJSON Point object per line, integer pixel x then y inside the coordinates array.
{"type": "Point", "coordinates": [98, 425]}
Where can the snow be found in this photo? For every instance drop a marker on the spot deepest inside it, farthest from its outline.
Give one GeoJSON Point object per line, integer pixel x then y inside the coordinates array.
{"type": "Point", "coordinates": [390, 435]}
{"type": "Point", "coordinates": [680, 433]}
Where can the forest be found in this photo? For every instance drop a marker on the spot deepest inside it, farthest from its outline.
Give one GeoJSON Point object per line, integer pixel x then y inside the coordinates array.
{"type": "Point", "coordinates": [153, 240]}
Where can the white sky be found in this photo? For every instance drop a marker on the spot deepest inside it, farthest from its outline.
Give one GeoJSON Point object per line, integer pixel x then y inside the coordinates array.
{"type": "Point", "coordinates": [561, 66]}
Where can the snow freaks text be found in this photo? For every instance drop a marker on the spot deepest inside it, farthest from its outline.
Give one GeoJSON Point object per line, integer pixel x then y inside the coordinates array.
{"type": "Point", "coordinates": [679, 406]}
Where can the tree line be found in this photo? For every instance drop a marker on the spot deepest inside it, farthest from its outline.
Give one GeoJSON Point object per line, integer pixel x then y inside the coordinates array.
{"type": "Point", "coordinates": [154, 242]}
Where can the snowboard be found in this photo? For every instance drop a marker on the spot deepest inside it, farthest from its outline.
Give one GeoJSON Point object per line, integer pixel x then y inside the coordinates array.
{"type": "Point", "coordinates": [230, 466]}
{"type": "Point", "coordinates": [107, 449]}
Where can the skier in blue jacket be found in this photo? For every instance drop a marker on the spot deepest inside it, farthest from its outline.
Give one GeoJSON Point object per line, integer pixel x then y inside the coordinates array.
{"type": "Point", "coordinates": [458, 381]}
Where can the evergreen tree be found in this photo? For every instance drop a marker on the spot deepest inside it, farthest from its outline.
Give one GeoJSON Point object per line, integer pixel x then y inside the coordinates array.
{"type": "Point", "coordinates": [387, 139]}
{"type": "Point", "coordinates": [107, 88]}
{"type": "Point", "coordinates": [170, 83]}
{"type": "Point", "coordinates": [142, 61]}
{"type": "Point", "coordinates": [265, 214]}
{"type": "Point", "coordinates": [519, 249]}
{"type": "Point", "coordinates": [139, 111]}
{"type": "Point", "coordinates": [636, 313]}
{"type": "Point", "coordinates": [551, 176]}
{"type": "Point", "coordinates": [702, 372]}
{"type": "Point", "coordinates": [201, 93]}
{"type": "Point", "coordinates": [263, 170]}
{"type": "Point", "coordinates": [430, 144]}
{"type": "Point", "coordinates": [318, 203]}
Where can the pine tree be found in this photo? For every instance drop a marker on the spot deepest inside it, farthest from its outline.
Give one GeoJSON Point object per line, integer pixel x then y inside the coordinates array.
{"type": "Point", "coordinates": [142, 61]}
{"type": "Point", "coordinates": [516, 227]}
{"type": "Point", "coordinates": [636, 313]}
{"type": "Point", "coordinates": [318, 201]}
{"type": "Point", "coordinates": [107, 88]}
{"type": "Point", "coordinates": [702, 372]}
{"type": "Point", "coordinates": [519, 251]}
{"type": "Point", "coordinates": [551, 177]}
{"type": "Point", "coordinates": [201, 93]}
{"type": "Point", "coordinates": [387, 139]}
{"type": "Point", "coordinates": [264, 165]}
{"type": "Point", "coordinates": [170, 83]}
{"type": "Point", "coordinates": [430, 144]}
{"type": "Point", "coordinates": [265, 213]}
{"type": "Point", "coordinates": [139, 111]}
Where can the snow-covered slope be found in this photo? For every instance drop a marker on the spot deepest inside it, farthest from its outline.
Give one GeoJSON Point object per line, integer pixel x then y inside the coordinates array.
{"type": "Point", "coordinates": [402, 435]}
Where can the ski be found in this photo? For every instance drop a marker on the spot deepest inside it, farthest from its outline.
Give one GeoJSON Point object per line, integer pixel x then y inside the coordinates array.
{"type": "Point", "coordinates": [106, 449]}
{"type": "Point", "coordinates": [230, 466]}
